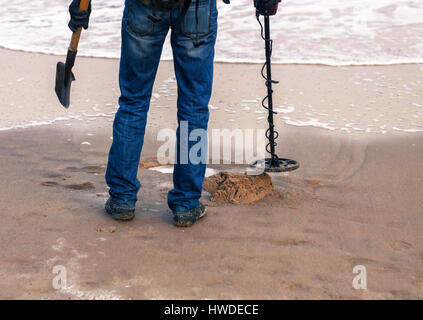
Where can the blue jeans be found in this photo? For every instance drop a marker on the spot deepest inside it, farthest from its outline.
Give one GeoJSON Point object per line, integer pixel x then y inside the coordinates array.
{"type": "Point", "coordinates": [142, 43]}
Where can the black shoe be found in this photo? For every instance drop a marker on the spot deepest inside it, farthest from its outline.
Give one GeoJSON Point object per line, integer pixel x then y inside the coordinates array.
{"type": "Point", "coordinates": [119, 211]}
{"type": "Point", "coordinates": [188, 218]}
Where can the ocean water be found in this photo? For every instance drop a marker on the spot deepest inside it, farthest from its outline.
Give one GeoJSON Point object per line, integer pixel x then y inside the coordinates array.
{"type": "Point", "coordinates": [333, 32]}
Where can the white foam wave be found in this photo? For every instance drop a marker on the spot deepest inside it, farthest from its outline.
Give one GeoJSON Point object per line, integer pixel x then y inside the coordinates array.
{"type": "Point", "coordinates": [333, 32]}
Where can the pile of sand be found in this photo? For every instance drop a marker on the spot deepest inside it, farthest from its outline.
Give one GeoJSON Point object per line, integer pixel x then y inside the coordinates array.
{"type": "Point", "coordinates": [237, 187]}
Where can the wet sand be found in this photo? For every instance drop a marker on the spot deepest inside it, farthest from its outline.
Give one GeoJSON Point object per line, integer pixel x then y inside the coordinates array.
{"type": "Point", "coordinates": [356, 199]}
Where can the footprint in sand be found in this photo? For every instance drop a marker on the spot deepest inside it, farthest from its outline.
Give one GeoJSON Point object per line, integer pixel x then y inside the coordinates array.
{"type": "Point", "coordinates": [290, 242]}
{"type": "Point", "coordinates": [87, 169]}
{"type": "Point", "coordinates": [378, 265]}
{"type": "Point", "coordinates": [48, 183]}
{"type": "Point", "coordinates": [292, 285]}
{"type": "Point", "coordinates": [53, 175]}
{"type": "Point", "coordinates": [400, 245]}
{"type": "Point", "coordinates": [58, 175]}
{"type": "Point", "coordinates": [82, 186]}
{"type": "Point", "coordinates": [313, 231]}
{"type": "Point", "coordinates": [36, 214]}
{"type": "Point", "coordinates": [93, 169]}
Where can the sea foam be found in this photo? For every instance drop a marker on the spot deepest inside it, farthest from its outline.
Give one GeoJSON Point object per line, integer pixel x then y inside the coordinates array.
{"type": "Point", "coordinates": [332, 32]}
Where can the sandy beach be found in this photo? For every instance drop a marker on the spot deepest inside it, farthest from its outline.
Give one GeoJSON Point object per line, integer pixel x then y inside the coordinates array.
{"type": "Point", "coordinates": [356, 199]}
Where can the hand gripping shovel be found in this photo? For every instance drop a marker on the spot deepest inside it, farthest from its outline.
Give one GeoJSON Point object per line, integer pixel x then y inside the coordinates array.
{"type": "Point", "coordinates": [64, 75]}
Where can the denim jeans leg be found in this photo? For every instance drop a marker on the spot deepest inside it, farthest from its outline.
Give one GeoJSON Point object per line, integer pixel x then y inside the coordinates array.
{"type": "Point", "coordinates": [142, 43]}
{"type": "Point", "coordinates": [194, 74]}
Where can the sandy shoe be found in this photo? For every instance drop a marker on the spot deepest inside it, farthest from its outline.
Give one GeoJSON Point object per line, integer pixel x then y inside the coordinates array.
{"type": "Point", "coordinates": [118, 211]}
{"type": "Point", "coordinates": [188, 218]}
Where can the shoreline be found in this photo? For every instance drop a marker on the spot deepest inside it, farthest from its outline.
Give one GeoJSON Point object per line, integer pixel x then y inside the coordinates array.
{"type": "Point", "coordinates": [349, 100]}
{"type": "Point", "coordinates": [247, 62]}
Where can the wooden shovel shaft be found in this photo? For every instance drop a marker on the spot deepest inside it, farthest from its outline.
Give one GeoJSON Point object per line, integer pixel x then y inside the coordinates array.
{"type": "Point", "coordinates": [83, 6]}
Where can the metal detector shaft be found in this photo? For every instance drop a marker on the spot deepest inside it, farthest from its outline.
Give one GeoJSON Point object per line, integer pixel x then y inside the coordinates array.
{"type": "Point", "coordinates": [274, 163]}
{"type": "Point", "coordinates": [268, 42]}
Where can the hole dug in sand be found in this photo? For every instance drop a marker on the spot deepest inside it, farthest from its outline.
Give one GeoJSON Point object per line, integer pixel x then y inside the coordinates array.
{"type": "Point", "coordinates": [226, 187]}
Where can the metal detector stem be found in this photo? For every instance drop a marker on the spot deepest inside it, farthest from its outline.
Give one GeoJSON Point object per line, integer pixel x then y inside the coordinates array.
{"type": "Point", "coordinates": [268, 41]}
{"type": "Point", "coordinates": [274, 163]}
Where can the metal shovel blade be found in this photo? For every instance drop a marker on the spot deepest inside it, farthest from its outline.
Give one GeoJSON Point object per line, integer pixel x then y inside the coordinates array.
{"type": "Point", "coordinates": [63, 84]}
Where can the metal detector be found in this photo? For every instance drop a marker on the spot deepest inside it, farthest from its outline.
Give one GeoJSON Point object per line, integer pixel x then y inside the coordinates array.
{"type": "Point", "coordinates": [269, 8]}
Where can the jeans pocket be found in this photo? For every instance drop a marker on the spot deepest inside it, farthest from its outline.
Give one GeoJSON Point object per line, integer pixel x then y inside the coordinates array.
{"type": "Point", "coordinates": [138, 21]}
{"type": "Point", "coordinates": [196, 23]}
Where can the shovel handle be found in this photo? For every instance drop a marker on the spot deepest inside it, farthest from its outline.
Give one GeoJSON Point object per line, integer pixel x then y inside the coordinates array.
{"type": "Point", "coordinates": [83, 6]}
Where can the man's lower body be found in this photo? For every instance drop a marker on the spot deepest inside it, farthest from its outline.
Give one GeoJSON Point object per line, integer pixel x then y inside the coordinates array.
{"type": "Point", "coordinates": [192, 43]}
